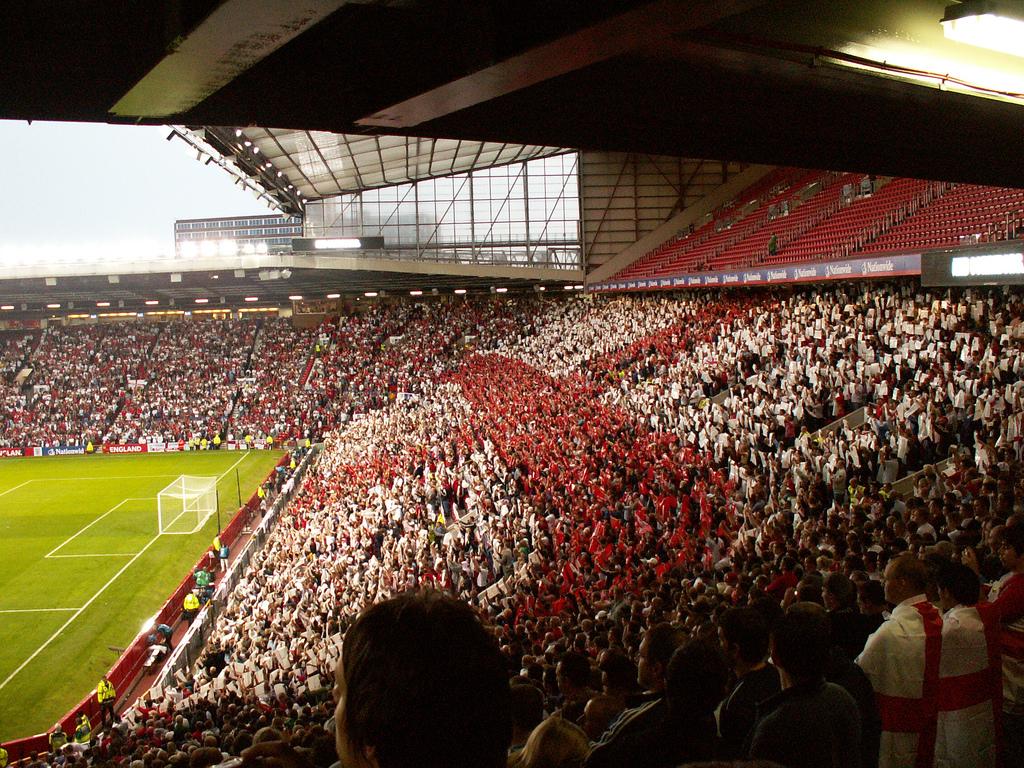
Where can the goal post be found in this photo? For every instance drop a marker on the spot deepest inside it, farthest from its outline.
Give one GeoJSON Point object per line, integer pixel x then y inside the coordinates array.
{"type": "Point", "coordinates": [186, 504]}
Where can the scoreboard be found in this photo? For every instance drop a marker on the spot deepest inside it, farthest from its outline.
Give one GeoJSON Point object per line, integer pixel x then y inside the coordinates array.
{"type": "Point", "coordinates": [989, 264]}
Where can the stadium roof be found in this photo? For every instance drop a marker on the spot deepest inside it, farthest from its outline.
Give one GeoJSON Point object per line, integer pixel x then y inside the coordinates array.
{"type": "Point", "coordinates": [320, 164]}
{"type": "Point", "coordinates": [324, 164]}
{"type": "Point", "coordinates": [869, 85]}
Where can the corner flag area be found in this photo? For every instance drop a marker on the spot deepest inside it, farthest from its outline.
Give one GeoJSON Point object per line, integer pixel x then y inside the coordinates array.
{"type": "Point", "coordinates": [83, 565]}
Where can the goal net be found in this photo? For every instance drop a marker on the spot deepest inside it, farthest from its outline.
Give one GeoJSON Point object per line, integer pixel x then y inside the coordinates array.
{"type": "Point", "coordinates": [186, 504]}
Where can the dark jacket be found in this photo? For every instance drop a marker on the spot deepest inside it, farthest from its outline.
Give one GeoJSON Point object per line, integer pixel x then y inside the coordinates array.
{"type": "Point", "coordinates": [811, 725]}
{"type": "Point", "coordinates": [739, 710]}
{"type": "Point", "coordinates": [650, 737]}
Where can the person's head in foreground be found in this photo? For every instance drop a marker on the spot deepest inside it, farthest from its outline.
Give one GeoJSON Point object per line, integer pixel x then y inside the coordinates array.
{"type": "Point", "coordinates": [421, 683]}
{"type": "Point", "coordinates": [555, 743]}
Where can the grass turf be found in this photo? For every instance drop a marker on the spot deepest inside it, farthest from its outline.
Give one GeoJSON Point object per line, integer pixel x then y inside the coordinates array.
{"type": "Point", "coordinates": [92, 515]}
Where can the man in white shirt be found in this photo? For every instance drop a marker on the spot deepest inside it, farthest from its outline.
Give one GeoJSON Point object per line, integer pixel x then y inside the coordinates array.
{"type": "Point", "coordinates": [902, 661]}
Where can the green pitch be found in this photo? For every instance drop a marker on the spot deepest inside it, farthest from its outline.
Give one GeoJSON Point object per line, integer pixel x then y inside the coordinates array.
{"type": "Point", "coordinates": [82, 566]}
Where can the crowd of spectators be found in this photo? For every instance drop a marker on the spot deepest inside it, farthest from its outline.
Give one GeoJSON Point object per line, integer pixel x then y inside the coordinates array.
{"type": "Point", "coordinates": [675, 560]}
{"type": "Point", "coordinates": [79, 382]}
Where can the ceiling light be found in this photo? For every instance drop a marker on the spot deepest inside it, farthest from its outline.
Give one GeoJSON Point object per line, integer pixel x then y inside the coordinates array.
{"type": "Point", "coordinates": [248, 143]}
{"type": "Point", "coordinates": [7, 307]}
{"type": "Point", "coordinates": [252, 298]}
{"type": "Point", "coordinates": [460, 291]}
{"type": "Point", "coordinates": [202, 301]}
{"type": "Point", "coordinates": [152, 303]}
{"type": "Point", "coordinates": [53, 306]}
{"type": "Point", "coordinates": [370, 294]}
{"type": "Point", "coordinates": [415, 293]}
{"type": "Point", "coordinates": [333, 295]}
{"type": "Point", "coordinates": [566, 287]}
{"type": "Point", "coordinates": [501, 290]}
{"type": "Point", "coordinates": [985, 24]}
{"type": "Point", "coordinates": [102, 303]}
{"type": "Point", "coordinates": [238, 132]}
{"type": "Point", "coordinates": [296, 297]}
{"type": "Point", "coordinates": [539, 288]}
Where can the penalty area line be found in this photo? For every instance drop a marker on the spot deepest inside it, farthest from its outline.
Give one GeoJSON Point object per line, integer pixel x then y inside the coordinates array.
{"type": "Point", "coordinates": [50, 555]}
{"type": "Point", "coordinates": [19, 485]}
{"type": "Point", "coordinates": [77, 613]}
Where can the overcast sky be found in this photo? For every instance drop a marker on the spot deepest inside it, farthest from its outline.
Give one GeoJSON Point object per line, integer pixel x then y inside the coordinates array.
{"type": "Point", "coordinates": [83, 184]}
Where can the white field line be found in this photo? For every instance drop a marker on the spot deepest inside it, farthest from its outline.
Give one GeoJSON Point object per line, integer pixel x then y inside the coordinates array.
{"type": "Point", "coordinates": [19, 485]}
{"type": "Point", "coordinates": [102, 477]}
{"type": "Point", "coordinates": [76, 614]}
{"type": "Point", "coordinates": [99, 592]}
{"type": "Point", "coordinates": [35, 610]}
{"type": "Point", "coordinates": [87, 527]}
{"type": "Point", "coordinates": [101, 554]}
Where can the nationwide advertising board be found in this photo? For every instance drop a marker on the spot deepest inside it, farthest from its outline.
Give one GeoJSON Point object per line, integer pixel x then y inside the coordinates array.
{"type": "Point", "coordinates": [849, 269]}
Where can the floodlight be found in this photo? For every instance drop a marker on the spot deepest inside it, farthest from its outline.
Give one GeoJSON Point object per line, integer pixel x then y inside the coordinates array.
{"type": "Point", "coordinates": [993, 24]}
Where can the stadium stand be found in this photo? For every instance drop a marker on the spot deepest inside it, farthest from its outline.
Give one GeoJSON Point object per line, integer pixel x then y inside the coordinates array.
{"type": "Point", "coordinates": [585, 487]}
{"type": "Point", "coordinates": [794, 218]}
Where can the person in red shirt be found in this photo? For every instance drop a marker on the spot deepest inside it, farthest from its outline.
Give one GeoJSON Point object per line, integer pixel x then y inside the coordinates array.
{"type": "Point", "coordinates": [787, 579]}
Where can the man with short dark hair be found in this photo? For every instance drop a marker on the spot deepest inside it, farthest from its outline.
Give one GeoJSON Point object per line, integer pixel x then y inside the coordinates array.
{"type": "Point", "coordinates": [683, 728]}
{"type": "Point", "coordinates": [901, 659]}
{"type": "Point", "coordinates": [573, 675]}
{"type": "Point", "coordinates": [743, 633]}
{"type": "Point", "coordinates": [850, 630]}
{"type": "Point", "coordinates": [656, 649]}
{"type": "Point", "coordinates": [527, 713]}
{"type": "Point", "coordinates": [420, 683]}
{"type": "Point", "coordinates": [811, 723]}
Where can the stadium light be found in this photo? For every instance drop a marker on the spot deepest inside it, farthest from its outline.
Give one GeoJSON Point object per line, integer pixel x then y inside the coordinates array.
{"type": "Point", "coordinates": [296, 297]}
{"type": "Point", "coordinates": [202, 301]}
{"type": "Point", "coordinates": [252, 298]}
{"type": "Point", "coordinates": [985, 24]}
{"type": "Point", "coordinates": [333, 295]}
{"type": "Point", "coordinates": [460, 291]}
